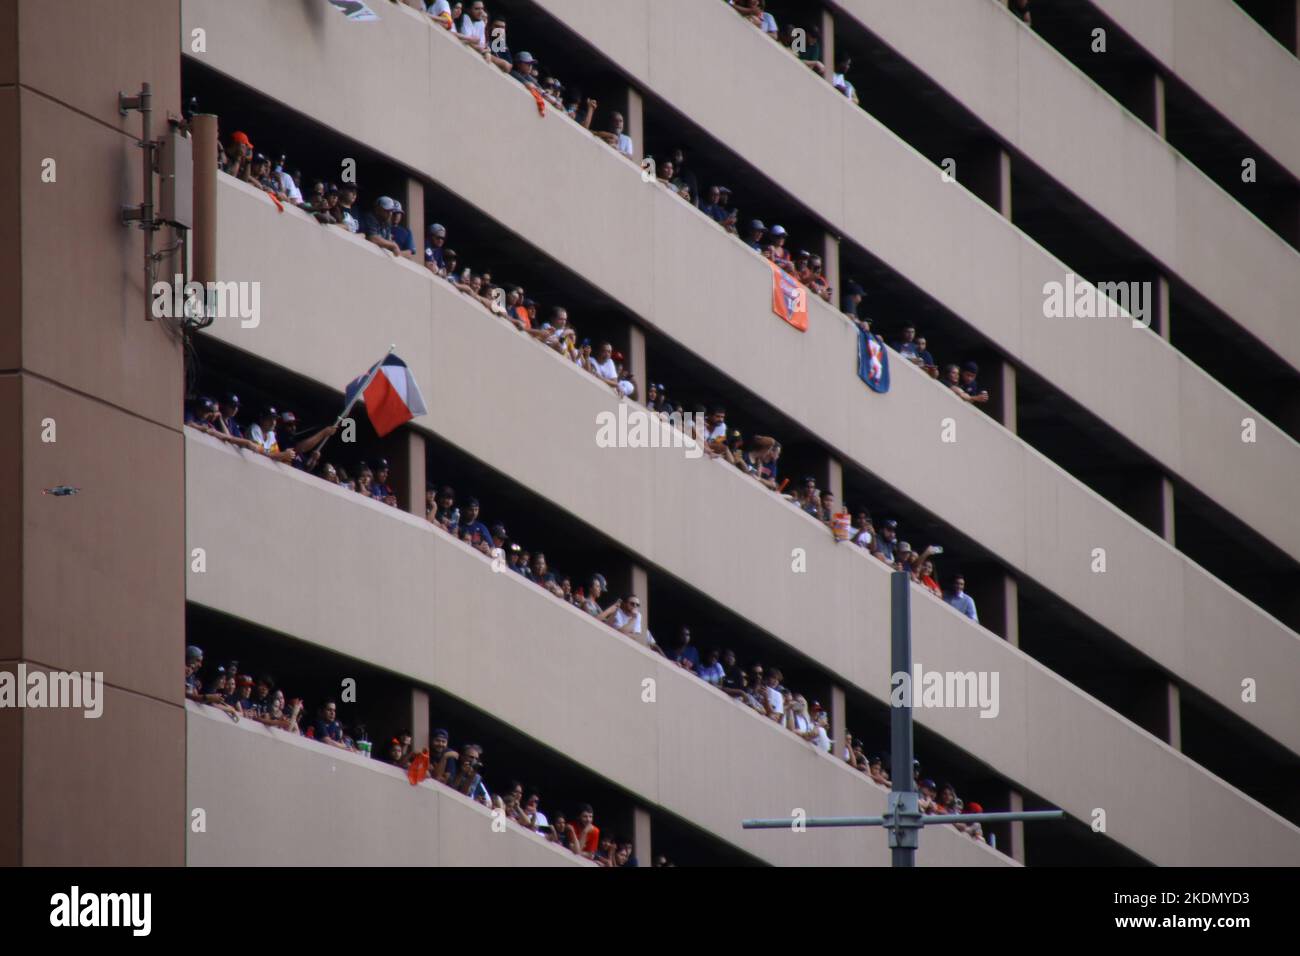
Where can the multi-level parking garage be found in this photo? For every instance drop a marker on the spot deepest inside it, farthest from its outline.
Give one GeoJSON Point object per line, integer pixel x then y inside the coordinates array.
{"type": "Point", "coordinates": [1121, 690]}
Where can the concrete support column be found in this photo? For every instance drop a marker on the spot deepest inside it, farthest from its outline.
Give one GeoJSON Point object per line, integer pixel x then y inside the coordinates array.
{"type": "Point", "coordinates": [1158, 707]}
{"type": "Point", "coordinates": [831, 264]}
{"type": "Point", "coordinates": [1011, 610]}
{"type": "Point", "coordinates": [1144, 96]}
{"type": "Point", "coordinates": [997, 600]}
{"type": "Point", "coordinates": [636, 359]}
{"type": "Point", "coordinates": [1004, 183]}
{"type": "Point", "coordinates": [203, 237]}
{"type": "Point", "coordinates": [634, 122]}
{"type": "Point", "coordinates": [828, 42]}
{"type": "Point", "coordinates": [641, 845]}
{"type": "Point", "coordinates": [419, 719]}
{"type": "Point", "coordinates": [1016, 804]}
{"type": "Point", "coordinates": [834, 482]}
{"type": "Point", "coordinates": [1161, 319]}
{"type": "Point", "coordinates": [987, 173]}
{"type": "Point", "coordinates": [1174, 721]}
{"type": "Point", "coordinates": [1167, 509]}
{"type": "Point", "coordinates": [1005, 399]}
{"type": "Point", "coordinates": [407, 472]}
{"type": "Point", "coordinates": [839, 721]}
{"type": "Point", "coordinates": [1158, 122]}
{"type": "Point", "coordinates": [413, 204]}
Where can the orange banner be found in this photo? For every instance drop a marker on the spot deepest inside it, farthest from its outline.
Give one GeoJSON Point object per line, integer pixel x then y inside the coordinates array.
{"type": "Point", "coordinates": [789, 298]}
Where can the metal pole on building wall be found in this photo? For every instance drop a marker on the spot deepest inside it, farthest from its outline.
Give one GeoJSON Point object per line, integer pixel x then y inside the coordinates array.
{"type": "Point", "coordinates": [904, 807]}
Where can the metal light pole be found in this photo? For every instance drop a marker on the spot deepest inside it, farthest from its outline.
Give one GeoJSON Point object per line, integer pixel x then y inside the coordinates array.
{"type": "Point", "coordinates": [903, 818]}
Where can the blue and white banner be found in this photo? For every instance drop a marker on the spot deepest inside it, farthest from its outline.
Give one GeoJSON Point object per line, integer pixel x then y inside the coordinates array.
{"type": "Point", "coordinates": [873, 361]}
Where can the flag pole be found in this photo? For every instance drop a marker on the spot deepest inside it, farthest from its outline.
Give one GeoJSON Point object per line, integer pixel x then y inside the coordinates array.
{"type": "Point", "coordinates": [357, 395]}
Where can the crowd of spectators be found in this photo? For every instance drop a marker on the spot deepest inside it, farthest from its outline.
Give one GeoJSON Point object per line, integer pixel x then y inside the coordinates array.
{"type": "Point", "coordinates": [276, 434]}
{"type": "Point", "coordinates": [242, 696]}
{"type": "Point", "coordinates": [933, 799]}
{"type": "Point", "coordinates": [486, 34]}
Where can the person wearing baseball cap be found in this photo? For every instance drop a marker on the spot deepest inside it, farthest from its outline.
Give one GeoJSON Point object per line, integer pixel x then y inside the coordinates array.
{"type": "Point", "coordinates": [442, 761]}
{"type": "Point", "coordinates": [239, 157]}
{"type": "Point", "coordinates": [525, 69]}
{"type": "Point", "coordinates": [379, 487]}
{"type": "Point", "coordinates": [973, 392]}
{"type": "Point", "coordinates": [756, 232]}
{"type": "Point", "coordinates": [780, 255]}
{"type": "Point", "coordinates": [244, 695]}
{"type": "Point", "coordinates": [193, 664]}
{"type": "Point", "coordinates": [401, 235]}
{"type": "Point", "coordinates": [377, 225]}
{"type": "Point", "coordinates": [435, 259]}
{"type": "Point", "coordinates": [229, 409]}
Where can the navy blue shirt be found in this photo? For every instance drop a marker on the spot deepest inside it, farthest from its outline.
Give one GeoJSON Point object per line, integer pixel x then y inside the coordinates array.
{"type": "Point", "coordinates": [715, 211]}
{"type": "Point", "coordinates": [450, 769]}
{"type": "Point", "coordinates": [434, 254]}
{"type": "Point", "coordinates": [331, 730]}
{"type": "Point", "coordinates": [402, 236]}
{"type": "Point", "coordinates": [480, 527]}
{"type": "Point", "coordinates": [371, 226]}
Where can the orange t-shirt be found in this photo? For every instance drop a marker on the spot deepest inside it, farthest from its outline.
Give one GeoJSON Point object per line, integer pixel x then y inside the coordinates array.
{"type": "Point", "coordinates": [521, 314]}
{"type": "Point", "coordinates": [591, 843]}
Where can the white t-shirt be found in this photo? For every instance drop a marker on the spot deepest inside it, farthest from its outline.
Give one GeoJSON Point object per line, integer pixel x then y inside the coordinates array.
{"type": "Point", "coordinates": [625, 144]}
{"type": "Point", "coordinates": [844, 86]}
{"type": "Point", "coordinates": [719, 431]}
{"type": "Point", "coordinates": [620, 619]}
{"type": "Point", "coordinates": [476, 29]}
{"type": "Point", "coordinates": [775, 700]}
{"type": "Point", "coordinates": [606, 370]}
{"type": "Point", "coordinates": [437, 7]}
{"type": "Point", "coordinates": [267, 440]}
{"type": "Point", "coordinates": [289, 187]}
{"type": "Point", "coordinates": [862, 539]}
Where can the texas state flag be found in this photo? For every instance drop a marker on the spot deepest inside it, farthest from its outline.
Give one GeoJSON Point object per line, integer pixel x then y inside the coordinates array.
{"type": "Point", "coordinates": [391, 395]}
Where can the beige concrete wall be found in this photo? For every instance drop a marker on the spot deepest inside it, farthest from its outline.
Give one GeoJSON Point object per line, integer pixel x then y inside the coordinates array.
{"type": "Point", "coordinates": [1227, 59]}
{"type": "Point", "coordinates": [1037, 518]}
{"type": "Point", "coordinates": [949, 243]}
{"type": "Point", "coordinates": [693, 752]}
{"type": "Point", "coordinates": [274, 799]}
{"type": "Point", "coordinates": [1043, 106]}
{"type": "Point", "coordinates": [505, 646]}
{"type": "Point", "coordinates": [91, 582]}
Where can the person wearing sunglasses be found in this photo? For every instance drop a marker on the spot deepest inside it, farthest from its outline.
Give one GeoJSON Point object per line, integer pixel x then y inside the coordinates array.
{"type": "Point", "coordinates": [625, 617]}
